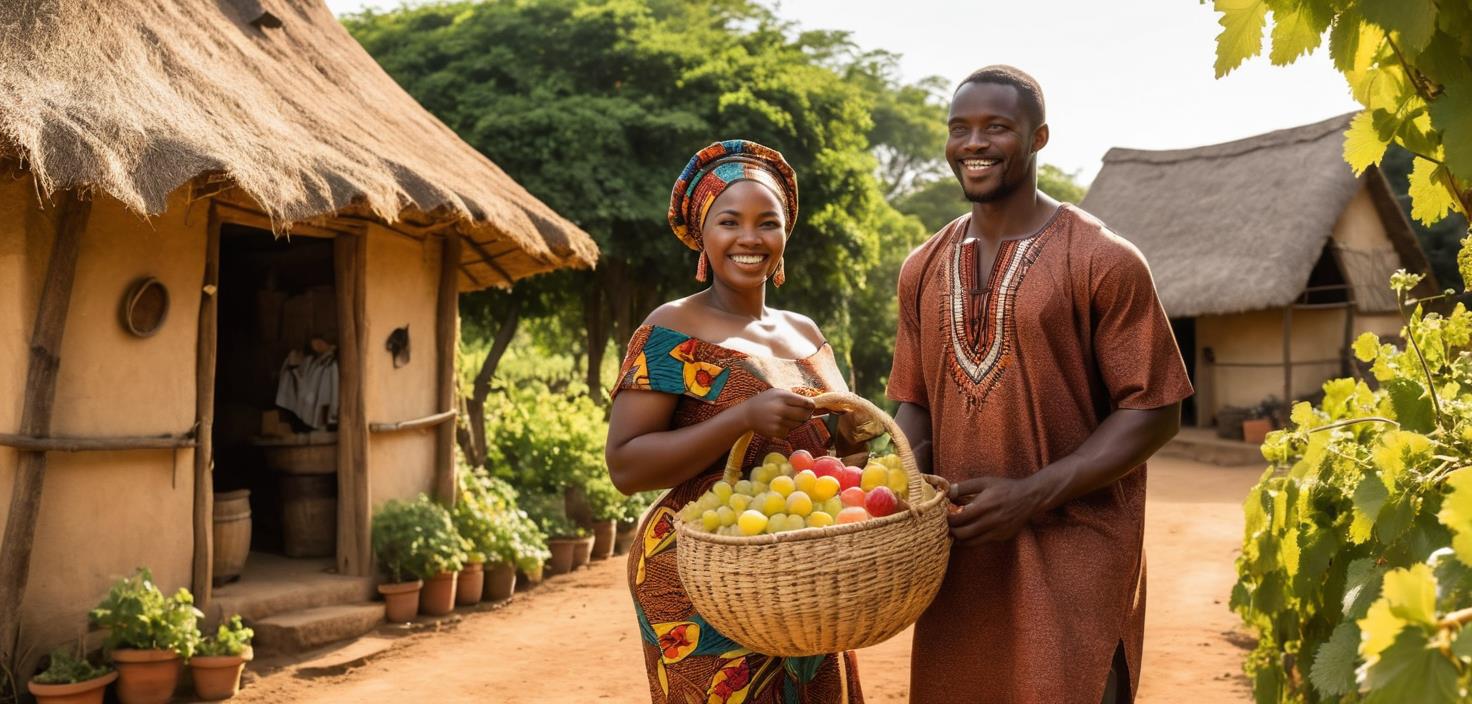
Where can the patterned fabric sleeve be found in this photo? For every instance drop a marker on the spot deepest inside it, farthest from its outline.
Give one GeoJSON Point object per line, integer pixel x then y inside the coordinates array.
{"type": "Point", "coordinates": [668, 361]}
{"type": "Point", "coordinates": [1134, 347]}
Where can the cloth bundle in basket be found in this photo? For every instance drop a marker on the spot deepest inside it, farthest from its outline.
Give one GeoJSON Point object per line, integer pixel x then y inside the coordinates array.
{"type": "Point", "coordinates": [822, 590]}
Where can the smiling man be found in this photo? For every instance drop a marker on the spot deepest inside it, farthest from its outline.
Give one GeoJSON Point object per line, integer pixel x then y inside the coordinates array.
{"type": "Point", "coordinates": [1035, 371]}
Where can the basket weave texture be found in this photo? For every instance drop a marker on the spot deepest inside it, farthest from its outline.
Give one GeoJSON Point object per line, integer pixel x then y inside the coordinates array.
{"type": "Point", "coordinates": [822, 590]}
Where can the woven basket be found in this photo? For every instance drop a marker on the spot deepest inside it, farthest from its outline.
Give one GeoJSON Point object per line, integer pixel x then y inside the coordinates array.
{"type": "Point", "coordinates": [822, 590]}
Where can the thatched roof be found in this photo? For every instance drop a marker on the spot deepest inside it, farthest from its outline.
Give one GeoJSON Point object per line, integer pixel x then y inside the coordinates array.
{"type": "Point", "coordinates": [1239, 226]}
{"type": "Point", "coordinates": [139, 97]}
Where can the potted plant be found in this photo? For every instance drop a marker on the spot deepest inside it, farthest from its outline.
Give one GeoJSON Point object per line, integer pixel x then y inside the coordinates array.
{"type": "Point", "coordinates": [148, 634]}
{"type": "Point", "coordinates": [470, 583]}
{"type": "Point", "coordinates": [476, 516]}
{"type": "Point", "coordinates": [530, 550]}
{"type": "Point", "coordinates": [416, 540]}
{"type": "Point", "coordinates": [606, 504]}
{"type": "Point", "coordinates": [565, 541]}
{"type": "Point", "coordinates": [217, 664]}
{"type": "Point", "coordinates": [71, 679]}
{"type": "Point", "coordinates": [633, 509]}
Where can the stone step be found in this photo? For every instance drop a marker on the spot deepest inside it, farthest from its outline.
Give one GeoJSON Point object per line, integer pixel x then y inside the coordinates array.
{"type": "Point", "coordinates": [303, 630]}
{"type": "Point", "coordinates": [274, 585]}
{"type": "Point", "coordinates": [1202, 445]}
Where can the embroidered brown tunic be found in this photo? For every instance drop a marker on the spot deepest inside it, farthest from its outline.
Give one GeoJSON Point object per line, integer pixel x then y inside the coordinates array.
{"type": "Point", "coordinates": [1069, 330]}
{"type": "Point", "coordinates": [687, 659]}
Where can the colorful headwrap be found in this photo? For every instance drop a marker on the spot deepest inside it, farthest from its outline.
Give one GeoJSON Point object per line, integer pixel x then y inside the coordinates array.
{"type": "Point", "coordinates": [715, 168]}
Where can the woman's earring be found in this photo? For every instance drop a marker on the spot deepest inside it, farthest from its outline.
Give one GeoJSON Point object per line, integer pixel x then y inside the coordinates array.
{"type": "Point", "coordinates": [780, 277]}
{"type": "Point", "coordinates": [702, 270]}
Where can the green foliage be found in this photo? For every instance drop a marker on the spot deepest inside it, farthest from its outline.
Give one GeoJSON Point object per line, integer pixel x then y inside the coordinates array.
{"type": "Point", "coordinates": [1408, 62]}
{"type": "Point", "coordinates": [505, 533]}
{"type": "Point", "coordinates": [542, 440]}
{"type": "Point", "coordinates": [1442, 240]}
{"type": "Point", "coordinates": [137, 615]}
{"type": "Point", "coordinates": [604, 499]}
{"type": "Point", "coordinates": [416, 540]}
{"type": "Point", "coordinates": [549, 513]}
{"type": "Point", "coordinates": [231, 638]}
{"type": "Point", "coordinates": [68, 668]}
{"type": "Point", "coordinates": [1356, 564]}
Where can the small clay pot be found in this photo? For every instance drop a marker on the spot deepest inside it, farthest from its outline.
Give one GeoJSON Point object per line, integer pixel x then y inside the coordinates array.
{"type": "Point", "coordinates": [400, 600]}
{"type": "Point", "coordinates": [470, 585]}
{"type": "Point", "coordinates": [146, 676]}
{"type": "Point", "coordinates": [438, 596]}
{"type": "Point", "coordinates": [217, 677]}
{"type": "Point", "coordinates": [86, 692]}
{"type": "Point", "coordinates": [500, 582]}
{"type": "Point", "coordinates": [603, 533]}
{"type": "Point", "coordinates": [583, 553]}
{"type": "Point", "coordinates": [624, 537]}
{"type": "Point", "coordinates": [1255, 430]}
{"type": "Point", "coordinates": [529, 579]}
{"type": "Point", "coordinates": [563, 556]}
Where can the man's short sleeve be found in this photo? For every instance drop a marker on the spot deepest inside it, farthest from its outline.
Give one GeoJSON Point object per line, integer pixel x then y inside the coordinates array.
{"type": "Point", "coordinates": [1134, 347]}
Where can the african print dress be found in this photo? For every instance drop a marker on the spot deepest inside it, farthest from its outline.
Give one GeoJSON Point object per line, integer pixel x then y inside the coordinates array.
{"type": "Point", "coordinates": [687, 660]}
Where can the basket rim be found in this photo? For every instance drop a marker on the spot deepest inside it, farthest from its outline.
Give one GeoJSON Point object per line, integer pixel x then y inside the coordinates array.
{"type": "Point", "coordinates": [686, 531]}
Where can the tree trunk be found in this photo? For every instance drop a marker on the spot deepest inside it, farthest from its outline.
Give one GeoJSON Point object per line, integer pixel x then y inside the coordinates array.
{"type": "Point", "coordinates": [596, 323]}
{"type": "Point", "coordinates": [472, 437]}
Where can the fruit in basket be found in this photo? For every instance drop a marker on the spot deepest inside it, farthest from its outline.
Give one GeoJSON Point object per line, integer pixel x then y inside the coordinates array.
{"type": "Point", "coordinates": [710, 519]}
{"type": "Point", "coordinates": [832, 505]}
{"type": "Point", "coordinates": [825, 488]}
{"type": "Point", "coordinates": [783, 485]}
{"type": "Point", "coordinates": [752, 522]}
{"type": "Point", "coordinates": [727, 516]}
{"type": "Point", "coordinates": [772, 503]}
{"type": "Point", "coordinates": [874, 475]}
{"type": "Point", "coordinates": [805, 480]}
{"type": "Point", "coordinates": [820, 519]}
{"type": "Point", "coordinates": [850, 477]}
{"type": "Point", "coordinates": [775, 458]}
{"type": "Point", "coordinates": [722, 491]}
{"type": "Point", "coordinates": [739, 502]}
{"type": "Point", "coordinates": [801, 460]}
{"type": "Point", "coordinates": [853, 496]}
{"type": "Point", "coordinates": [827, 466]}
{"type": "Point", "coordinates": [881, 502]}
{"type": "Point", "coordinates": [852, 514]}
{"type": "Point", "coordinates": [799, 504]}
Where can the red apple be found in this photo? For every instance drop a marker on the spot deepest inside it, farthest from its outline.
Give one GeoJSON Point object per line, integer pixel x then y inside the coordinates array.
{"type": "Point", "coordinates": [800, 460]}
{"type": "Point", "coordinates": [881, 501]}
{"type": "Point", "coordinates": [850, 476]}
{"type": "Point", "coordinates": [827, 466]}
{"type": "Point", "coordinates": [853, 496]}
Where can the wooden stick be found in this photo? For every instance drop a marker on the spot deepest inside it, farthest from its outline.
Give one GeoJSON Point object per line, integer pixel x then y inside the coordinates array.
{"type": "Point", "coordinates": [354, 546]}
{"type": "Point", "coordinates": [438, 419]}
{"type": "Point", "coordinates": [490, 260]}
{"type": "Point", "coordinates": [40, 394]}
{"type": "Point", "coordinates": [447, 344]}
{"type": "Point", "coordinates": [64, 443]}
{"type": "Point", "coordinates": [202, 576]}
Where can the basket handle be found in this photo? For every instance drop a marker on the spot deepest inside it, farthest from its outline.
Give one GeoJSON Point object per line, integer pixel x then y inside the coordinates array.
{"type": "Point", "coordinates": [847, 402]}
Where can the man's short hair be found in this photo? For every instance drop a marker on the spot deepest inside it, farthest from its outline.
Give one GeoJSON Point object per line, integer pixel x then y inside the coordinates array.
{"type": "Point", "coordinates": [1027, 87]}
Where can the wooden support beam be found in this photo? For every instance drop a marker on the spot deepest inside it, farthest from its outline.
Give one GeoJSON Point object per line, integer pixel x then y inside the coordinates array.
{"type": "Point", "coordinates": [354, 514]}
{"type": "Point", "coordinates": [202, 576]}
{"type": "Point", "coordinates": [447, 345]}
{"type": "Point", "coordinates": [430, 421]}
{"type": "Point", "coordinates": [1288, 356]}
{"type": "Point", "coordinates": [490, 260]}
{"type": "Point", "coordinates": [65, 443]}
{"type": "Point", "coordinates": [40, 394]}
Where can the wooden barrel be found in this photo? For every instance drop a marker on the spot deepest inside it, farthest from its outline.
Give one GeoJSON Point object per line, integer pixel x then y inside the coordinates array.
{"type": "Point", "coordinates": [232, 534]}
{"type": "Point", "coordinates": [309, 514]}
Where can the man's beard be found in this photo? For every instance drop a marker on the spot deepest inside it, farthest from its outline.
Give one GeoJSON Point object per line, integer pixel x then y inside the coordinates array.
{"type": "Point", "coordinates": [1004, 189]}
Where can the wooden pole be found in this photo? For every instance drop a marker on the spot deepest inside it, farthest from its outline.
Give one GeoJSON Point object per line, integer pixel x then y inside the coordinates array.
{"type": "Point", "coordinates": [446, 344]}
{"type": "Point", "coordinates": [438, 419]}
{"type": "Point", "coordinates": [204, 417]}
{"type": "Point", "coordinates": [354, 514]}
{"type": "Point", "coordinates": [67, 443]}
{"type": "Point", "coordinates": [40, 393]}
{"type": "Point", "coordinates": [1288, 355]}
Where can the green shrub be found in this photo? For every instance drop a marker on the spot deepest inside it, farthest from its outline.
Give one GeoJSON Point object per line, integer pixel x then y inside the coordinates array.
{"type": "Point", "coordinates": [137, 615]}
{"type": "Point", "coordinates": [543, 441]}
{"type": "Point", "coordinates": [231, 638]}
{"type": "Point", "coordinates": [416, 540]}
{"type": "Point", "coordinates": [66, 668]}
{"type": "Point", "coordinates": [549, 513]}
{"type": "Point", "coordinates": [605, 500]}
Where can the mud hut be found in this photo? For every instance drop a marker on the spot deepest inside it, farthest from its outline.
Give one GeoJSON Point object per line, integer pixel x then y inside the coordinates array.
{"type": "Point", "coordinates": [1269, 256]}
{"type": "Point", "coordinates": [195, 194]}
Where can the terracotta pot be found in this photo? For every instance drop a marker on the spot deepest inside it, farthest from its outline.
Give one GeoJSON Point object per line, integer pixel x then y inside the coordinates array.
{"type": "Point", "coordinates": [470, 585]}
{"type": "Point", "coordinates": [217, 676]}
{"type": "Point", "coordinates": [400, 601]}
{"type": "Point", "coordinates": [500, 582]}
{"type": "Point", "coordinates": [1255, 430]}
{"type": "Point", "coordinates": [88, 692]}
{"type": "Point", "coordinates": [529, 579]}
{"type": "Point", "coordinates": [562, 555]}
{"type": "Point", "coordinates": [146, 676]}
{"type": "Point", "coordinates": [603, 539]}
{"type": "Point", "coordinates": [438, 596]}
{"type": "Point", "coordinates": [583, 552]}
{"type": "Point", "coordinates": [624, 537]}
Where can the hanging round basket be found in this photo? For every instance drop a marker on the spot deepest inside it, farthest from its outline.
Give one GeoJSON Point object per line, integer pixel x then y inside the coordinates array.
{"type": "Point", "coordinates": [145, 307]}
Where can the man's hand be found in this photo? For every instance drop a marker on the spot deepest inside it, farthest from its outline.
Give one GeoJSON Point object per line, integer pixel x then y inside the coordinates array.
{"type": "Point", "coordinates": [993, 509]}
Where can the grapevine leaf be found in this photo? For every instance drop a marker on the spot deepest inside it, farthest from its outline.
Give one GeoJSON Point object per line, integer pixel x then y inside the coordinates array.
{"type": "Point", "coordinates": [1412, 406]}
{"type": "Point", "coordinates": [1415, 20]}
{"type": "Point", "coordinates": [1363, 145]}
{"type": "Point", "coordinates": [1242, 23]}
{"type": "Point", "coordinates": [1398, 449]}
{"type": "Point", "coordinates": [1369, 499]}
{"type": "Point", "coordinates": [1411, 594]}
{"type": "Point", "coordinates": [1449, 114]}
{"type": "Point", "coordinates": [1464, 261]}
{"type": "Point", "coordinates": [1288, 552]}
{"type": "Point", "coordinates": [1462, 643]}
{"type": "Point", "coordinates": [1456, 513]}
{"type": "Point", "coordinates": [1361, 587]}
{"type": "Point", "coordinates": [1378, 629]}
{"type": "Point", "coordinates": [1333, 670]}
{"type": "Point", "coordinates": [1270, 596]}
{"type": "Point", "coordinates": [1303, 416]}
{"type": "Point", "coordinates": [1296, 31]}
{"type": "Point", "coordinates": [1344, 39]}
{"type": "Point", "coordinates": [1431, 195]}
{"type": "Point", "coordinates": [1411, 669]}
{"type": "Point", "coordinates": [1316, 552]}
{"type": "Point", "coordinates": [1366, 347]}
{"type": "Point", "coordinates": [1395, 518]}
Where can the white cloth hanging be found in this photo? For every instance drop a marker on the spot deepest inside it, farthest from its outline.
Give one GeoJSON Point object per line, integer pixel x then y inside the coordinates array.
{"type": "Point", "coordinates": [308, 387]}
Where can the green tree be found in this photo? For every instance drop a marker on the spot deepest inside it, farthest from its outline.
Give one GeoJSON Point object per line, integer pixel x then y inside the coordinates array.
{"type": "Point", "coordinates": [594, 105]}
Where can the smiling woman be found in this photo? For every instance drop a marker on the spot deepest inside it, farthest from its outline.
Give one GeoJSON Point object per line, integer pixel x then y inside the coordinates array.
{"type": "Point", "coordinates": [700, 373]}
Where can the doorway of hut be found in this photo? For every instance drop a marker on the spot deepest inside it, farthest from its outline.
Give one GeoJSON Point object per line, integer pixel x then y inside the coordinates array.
{"type": "Point", "coordinates": [276, 391]}
{"type": "Point", "coordinates": [1185, 332]}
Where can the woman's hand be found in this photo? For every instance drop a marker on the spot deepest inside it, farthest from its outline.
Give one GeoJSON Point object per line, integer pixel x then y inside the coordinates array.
{"type": "Point", "coordinates": [776, 412]}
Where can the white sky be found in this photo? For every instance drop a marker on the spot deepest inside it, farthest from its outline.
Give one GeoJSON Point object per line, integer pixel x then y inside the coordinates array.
{"type": "Point", "coordinates": [1130, 73]}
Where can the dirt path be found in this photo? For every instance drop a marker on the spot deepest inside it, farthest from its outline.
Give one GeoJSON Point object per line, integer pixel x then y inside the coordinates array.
{"type": "Point", "coordinates": [573, 639]}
